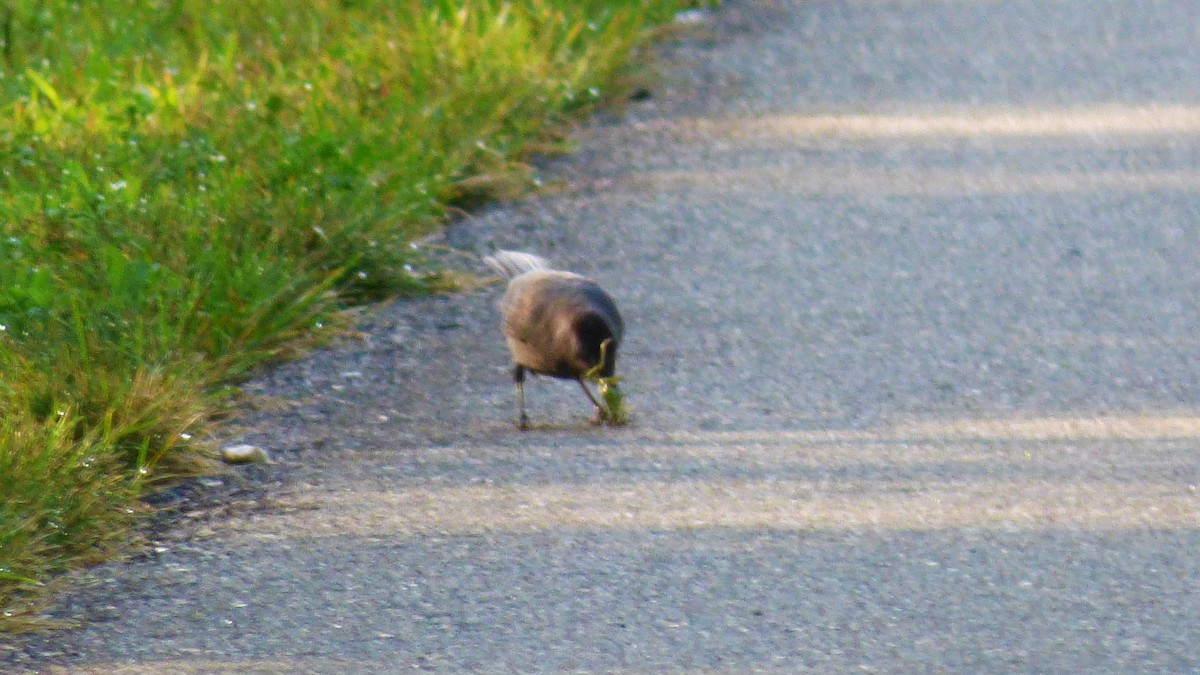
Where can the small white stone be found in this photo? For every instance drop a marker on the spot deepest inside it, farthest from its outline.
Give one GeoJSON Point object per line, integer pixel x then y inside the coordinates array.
{"type": "Point", "coordinates": [245, 454]}
{"type": "Point", "coordinates": [691, 17]}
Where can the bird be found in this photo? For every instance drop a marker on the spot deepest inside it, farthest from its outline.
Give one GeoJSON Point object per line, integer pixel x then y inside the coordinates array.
{"type": "Point", "coordinates": [557, 323]}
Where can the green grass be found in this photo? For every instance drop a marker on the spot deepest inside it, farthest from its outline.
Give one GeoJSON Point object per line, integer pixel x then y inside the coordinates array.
{"type": "Point", "coordinates": [193, 187]}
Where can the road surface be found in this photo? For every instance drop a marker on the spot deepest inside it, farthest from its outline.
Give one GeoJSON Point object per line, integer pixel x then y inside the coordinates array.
{"type": "Point", "coordinates": [912, 361]}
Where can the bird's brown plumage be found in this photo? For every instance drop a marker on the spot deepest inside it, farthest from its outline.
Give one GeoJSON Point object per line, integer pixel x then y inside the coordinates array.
{"type": "Point", "coordinates": [555, 322]}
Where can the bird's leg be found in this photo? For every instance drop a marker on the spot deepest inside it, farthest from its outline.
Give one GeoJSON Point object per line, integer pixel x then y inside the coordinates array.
{"type": "Point", "coordinates": [601, 415]}
{"type": "Point", "coordinates": [519, 379]}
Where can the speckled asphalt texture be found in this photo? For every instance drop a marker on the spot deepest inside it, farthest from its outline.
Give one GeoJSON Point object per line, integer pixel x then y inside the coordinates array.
{"type": "Point", "coordinates": [911, 357]}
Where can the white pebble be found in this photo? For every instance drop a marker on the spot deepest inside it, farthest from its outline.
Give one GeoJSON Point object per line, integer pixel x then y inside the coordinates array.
{"type": "Point", "coordinates": [691, 17]}
{"type": "Point", "coordinates": [245, 454]}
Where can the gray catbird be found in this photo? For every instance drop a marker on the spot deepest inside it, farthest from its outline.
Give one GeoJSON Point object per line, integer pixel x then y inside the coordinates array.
{"type": "Point", "coordinates": [555, 323]}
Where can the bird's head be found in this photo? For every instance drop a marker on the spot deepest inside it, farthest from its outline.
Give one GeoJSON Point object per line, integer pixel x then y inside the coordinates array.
{"type": "Point", "coordinates": [596, 345]}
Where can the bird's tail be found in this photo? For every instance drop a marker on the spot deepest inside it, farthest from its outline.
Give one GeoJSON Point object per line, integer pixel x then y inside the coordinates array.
{"type": "Point", "coordinates": [513, 263]}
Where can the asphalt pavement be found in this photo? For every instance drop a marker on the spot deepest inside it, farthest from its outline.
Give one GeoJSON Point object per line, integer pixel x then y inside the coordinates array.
{"type": "Point", "coordinates": [910, 295]}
